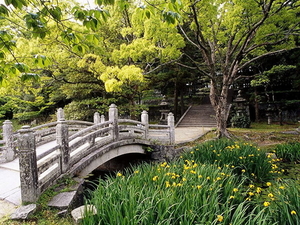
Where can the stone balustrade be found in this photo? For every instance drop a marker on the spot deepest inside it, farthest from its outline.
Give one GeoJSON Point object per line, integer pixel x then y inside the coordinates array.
{"type": "Point", "coordinates": [41, 164]}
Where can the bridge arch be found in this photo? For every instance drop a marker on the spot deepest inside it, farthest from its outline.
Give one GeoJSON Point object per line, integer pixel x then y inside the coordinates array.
{"type": "Point", "coordinates": [104, 154]}
{"type": "Point", "coordinates": [122, 150]}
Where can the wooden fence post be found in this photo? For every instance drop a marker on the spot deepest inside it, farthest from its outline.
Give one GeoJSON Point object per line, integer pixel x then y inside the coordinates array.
{"type": "Point", "coordinates": [145, 121]}
{"type": "Point", "coordinates": [28, 165]}
{"type": "Point", "coordinates": [171, 123]}
{"type": "Point", "coordinates": [113, 116]}
{"type": "Point", "coordinates": [62, 136]}
{"type": "Point", "coordinates": [9, 152]}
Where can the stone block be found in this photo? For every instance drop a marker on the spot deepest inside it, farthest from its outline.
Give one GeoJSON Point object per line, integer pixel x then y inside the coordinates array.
{"type": "Point", "coordinates": [63, 200]}
{"type": "Point", "coordinates": [79, 212]}
{"type": "Point", "coordinates": [24, 212]}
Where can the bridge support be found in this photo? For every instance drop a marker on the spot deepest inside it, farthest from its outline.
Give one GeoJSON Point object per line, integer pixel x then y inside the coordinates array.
{"type": "Point", "coordinates": [171, 123]}
{"type": "Point", "coordinates": [113, 116]}
{"type": "Point", "coordinates": [145, 121]}
{"type": "Point", "coordinates": [9, 153]}
{"type": "Point", "coordinates": [62, 139]}
{"type": "Point", "coordinates": [28, 165]}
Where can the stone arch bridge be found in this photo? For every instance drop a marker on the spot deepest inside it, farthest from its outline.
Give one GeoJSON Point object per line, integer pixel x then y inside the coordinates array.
{"type": "Point", "coordinates": [48, 151]}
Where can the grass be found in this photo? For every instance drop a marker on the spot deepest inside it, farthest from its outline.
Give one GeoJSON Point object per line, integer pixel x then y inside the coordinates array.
{"type": "Point", "coordinates": [215, 182]}
{"type": "Point", "coordinates": [192, 190]}
{"type": "Point", "coordinates": [46, 215]}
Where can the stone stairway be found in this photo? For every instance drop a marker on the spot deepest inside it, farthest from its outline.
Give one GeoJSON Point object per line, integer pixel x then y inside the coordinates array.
{"type": "Point", "coordinates": [198, 116]}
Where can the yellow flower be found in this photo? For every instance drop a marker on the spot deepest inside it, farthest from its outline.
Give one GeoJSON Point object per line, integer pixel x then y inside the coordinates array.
{"type": "Point", "coordinates": [200, 176]}
{"type": "Point", "coordinates": [250, 193]}
{"type": "Point", "coordinates": [235, 190]}
{"type": "Point", "coordinates": [155, 178]}
{"type": "Point", "coordinates": [220, 218]}
{"type": "Point", "coordinates": [243, 171]}
{"type": "Point", "coordinates": [251, 186]}
{"type": "Point", "coordinates": [281, 187]}
{"type": "Point", "coordinates": [268, 184]}
{"type": "Point", "coordinates": [199, 186]}
{"type": "Point", "coordinates": [168, 184]}
{"type": "Point", "coordinates": [270, 195]}
{"type": "Point", "coordinates": [266, 204]}
{"type": "Point", "coordinates": [258, 189]}
{"type": "Point", "coordinates": [231, 197]}
{"type": "Point", "coordinates": [119, 175]}
{"type": "Point", "coordinates": [136, 171]}
{"type": "Point", "coordinates": [293, 212]}
{"type": "Point", "coordinates": [208, 178]}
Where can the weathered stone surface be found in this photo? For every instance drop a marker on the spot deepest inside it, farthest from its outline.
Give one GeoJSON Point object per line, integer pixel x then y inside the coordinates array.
{"type": "Point", "coordinates": [23, 212]}
{"type": "Point", "coordinates": [79, 212]}
{"type": "Point", "coordinates": [63, 200]}
{"type": "Point", "coordinates": [62, 213]}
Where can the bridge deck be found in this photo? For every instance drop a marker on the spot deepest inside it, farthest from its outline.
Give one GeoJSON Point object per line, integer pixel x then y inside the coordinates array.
{"type": "Point", "coordinates": [10, 191]}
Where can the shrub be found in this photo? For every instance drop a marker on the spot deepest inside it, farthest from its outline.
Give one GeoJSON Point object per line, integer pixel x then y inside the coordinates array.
{"type": "Point", "coordinates": [245, 159]}
{"type": "Point", "coordinates": [183, 192]}
{"type": "Point", "coordinates": [288, 152]}
{"type": "Point", "coordinates": [240, 121]}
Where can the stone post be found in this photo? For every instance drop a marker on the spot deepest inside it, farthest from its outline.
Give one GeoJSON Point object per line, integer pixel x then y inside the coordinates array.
{"type": "Point", "coordinates": [97, 118]}
{"type": "Point", "coordinates": [60, 114]}
{"type": "Point", "coordinates": [9, 152]}
{"type": "Point", "coordinates": [171, 123]}
{"type": "Point", "coordinates": [145, 121]}
{"type": "Point", "coordinates": [62, 136]}
{"type": "Point", "coordinates": [113, 116]}
{"type": "Point", "coordinates": [102, 119]}
{"type": "Point", "coordinates": [28, 165]}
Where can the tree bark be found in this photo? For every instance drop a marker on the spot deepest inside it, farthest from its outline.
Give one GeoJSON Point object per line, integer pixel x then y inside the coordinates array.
{"type": "Point", "coordinates": [221, 107]}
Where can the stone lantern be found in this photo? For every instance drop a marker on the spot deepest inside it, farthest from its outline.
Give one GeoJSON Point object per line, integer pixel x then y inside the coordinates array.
{"type": "Point", "coordinates": [241, 105]}
{"type": "Point", "coordinates": [241, 118]}
{"type": "Point", "coordinates": [164, 111]}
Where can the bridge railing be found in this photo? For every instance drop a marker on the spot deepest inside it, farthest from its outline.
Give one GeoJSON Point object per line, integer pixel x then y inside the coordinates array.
{"type": "Point", "coordinates": [74, 141]}
{"type": "Point", "coordinates": [8, 144]}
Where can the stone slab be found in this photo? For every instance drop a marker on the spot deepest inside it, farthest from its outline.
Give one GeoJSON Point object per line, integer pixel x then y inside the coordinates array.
{"type": "Point", "coordinates": [6, 209]}
{"type": "Point", "coordinates": [63, 200]}
{"type": "Point", "coordinates": [10, 189]}
{"type": "Point", "coordinates": [24, 212]}
{"type": "Point", "coordinates": [79, 212]}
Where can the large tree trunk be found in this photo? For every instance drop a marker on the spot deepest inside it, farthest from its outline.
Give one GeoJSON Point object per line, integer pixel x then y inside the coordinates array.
{"type": "Point", "coordinates": [221, 107]}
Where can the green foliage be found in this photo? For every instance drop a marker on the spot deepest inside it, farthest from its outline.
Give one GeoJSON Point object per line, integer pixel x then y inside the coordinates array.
{"type": "Point", "coordinates": [240, 121]}
{"type": "Point", "coordinates": [289, 152]}
{"type": "Point", "coordinates": [182, 192]}
{"type": "Point", "coordinates": [85, 109]}
{"type": "Point", "coordinates": [245, 159]}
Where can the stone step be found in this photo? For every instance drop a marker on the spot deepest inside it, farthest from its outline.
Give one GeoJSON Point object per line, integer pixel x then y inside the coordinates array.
{"type": "Point", "coordinates": [199, 116]}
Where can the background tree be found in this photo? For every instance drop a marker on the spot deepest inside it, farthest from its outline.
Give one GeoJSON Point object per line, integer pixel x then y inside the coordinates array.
{"type": "Point", "coordinates": [231, 35]}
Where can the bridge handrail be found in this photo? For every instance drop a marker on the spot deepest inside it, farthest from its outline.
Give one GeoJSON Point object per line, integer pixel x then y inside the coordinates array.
{"type": "Point", "coordinates": [89, 129]}
{"type": "Point", "coordinates": [51, 124]}
{"type": "Point", "coordinates": [130, 121]}
{"type": "Point", "coordinates": [37, 172]}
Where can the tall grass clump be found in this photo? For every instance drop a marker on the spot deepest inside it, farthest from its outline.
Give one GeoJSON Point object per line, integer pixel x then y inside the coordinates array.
{"type": "Point", "coordinates": [289, 152]}
{"type": "Point", "coordinates": [182, 192]}
{"type": "Point", "coordinates": [243, 158]}
{"type": "Point", "coordinates": [280, 202]}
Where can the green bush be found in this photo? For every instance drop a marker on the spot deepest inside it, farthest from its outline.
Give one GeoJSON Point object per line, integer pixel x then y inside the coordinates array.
{"type": "Point", "coordinates": [182, 192]}
{"type": "Point", "coordinates": [289, 152]}
{"type": "Point", "coordinates": [240, 121]}
{"type": "Point", "coordinates": [245, 159]}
